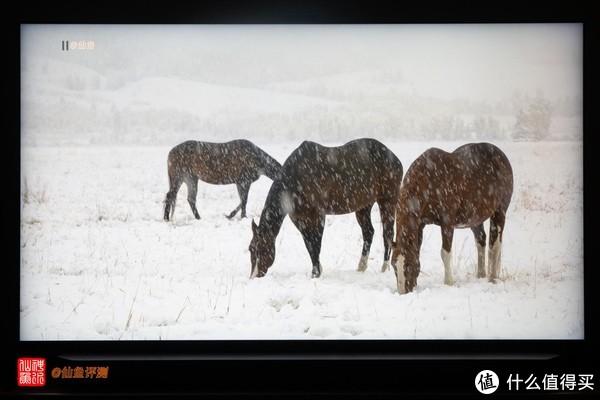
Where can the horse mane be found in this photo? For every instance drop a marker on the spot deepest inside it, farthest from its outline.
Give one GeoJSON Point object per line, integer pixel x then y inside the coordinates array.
{"type": "Point", "coordinates": [272, 167]}
{"type": "Point", "coordinates": [273, 213]}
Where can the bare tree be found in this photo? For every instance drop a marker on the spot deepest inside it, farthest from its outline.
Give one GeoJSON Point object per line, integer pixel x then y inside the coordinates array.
{"type": "Point", "coordinates": [533, 119]}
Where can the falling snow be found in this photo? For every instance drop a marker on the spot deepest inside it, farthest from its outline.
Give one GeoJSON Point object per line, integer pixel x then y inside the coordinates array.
{"type": "Point", "coordinates": [98, 261]}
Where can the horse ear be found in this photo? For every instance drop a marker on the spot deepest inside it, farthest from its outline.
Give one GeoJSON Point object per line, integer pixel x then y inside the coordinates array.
{"type": "Point", "coordinates": [254, 227]}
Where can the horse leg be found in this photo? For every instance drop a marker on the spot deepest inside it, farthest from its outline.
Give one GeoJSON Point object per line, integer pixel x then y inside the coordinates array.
{"type": "Point", "coordinates": [419, 243]}
{"type": "Point", "coordinates": [446, 253]}
{"type": "Point", "coordinates": [495, 250]}
{"type": "Point", "coordinates": [192, 185]}
{"type": "Point", "coordinates": [235, 210]}
{"type": "Point", "coordinates": [311, 227]}
{"type": "Point", "coordinates": [480, 239]}
{"type": "Point", "coordinates": [174, 185]}
{"type": "Point", "coordinates": [243, 190]}
{"type": "Point", "coordinates": [363, 216]}
{"type": "Point", "coordinates": [387, 212]}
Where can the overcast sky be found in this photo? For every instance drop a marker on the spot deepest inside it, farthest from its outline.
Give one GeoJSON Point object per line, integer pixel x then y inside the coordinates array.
{"type": "Point", "coordinates": [486, 62]}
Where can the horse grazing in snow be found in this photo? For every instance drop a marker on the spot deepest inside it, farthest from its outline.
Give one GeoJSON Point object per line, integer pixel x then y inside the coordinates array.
{"type": "Point", "coordinates": [317, 181]}
{"type": "Point", "coordinates": [238, 161]}
{"type": "Point", "coordinates": [461, 189]}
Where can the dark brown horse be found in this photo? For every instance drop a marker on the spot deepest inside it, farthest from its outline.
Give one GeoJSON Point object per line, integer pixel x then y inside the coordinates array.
{"type": "Point", "coordinates": [461, 189]}
{"type": "Point", "coordinates": [318, 181]}
{"type": "Point", "coordinates": [239, 161]}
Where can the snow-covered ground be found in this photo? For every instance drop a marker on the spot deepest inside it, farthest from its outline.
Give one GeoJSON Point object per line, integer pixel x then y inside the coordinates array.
{"type": "Point", "coordinates": [98, 261]}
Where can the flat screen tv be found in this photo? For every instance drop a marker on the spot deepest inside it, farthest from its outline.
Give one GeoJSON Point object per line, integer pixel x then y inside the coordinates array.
{"type": "Point", "coordinates": [272, 201]}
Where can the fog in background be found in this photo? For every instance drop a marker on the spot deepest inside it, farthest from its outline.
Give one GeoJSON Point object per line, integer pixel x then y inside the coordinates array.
{"type": "Point", "coordinates": [150, 84]}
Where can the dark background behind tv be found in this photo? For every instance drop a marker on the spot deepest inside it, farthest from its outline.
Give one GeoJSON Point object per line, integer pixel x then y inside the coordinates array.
{"type": "Point", "coordinates": [342, 367]}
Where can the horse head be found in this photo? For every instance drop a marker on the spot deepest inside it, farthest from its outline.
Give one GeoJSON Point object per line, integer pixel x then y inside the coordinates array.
{"type": "Point", "coordinates": [262, 252]}
{"type": "Point", "coordinates": [405, 256]}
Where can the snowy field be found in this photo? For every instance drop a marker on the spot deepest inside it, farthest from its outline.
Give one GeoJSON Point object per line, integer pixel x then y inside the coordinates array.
{"type": "Point", "coordinates": [99, 263]}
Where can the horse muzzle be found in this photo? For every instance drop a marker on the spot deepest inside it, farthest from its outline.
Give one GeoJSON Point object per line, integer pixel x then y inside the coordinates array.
{"type": "Point", "coordinates": [256, 272]}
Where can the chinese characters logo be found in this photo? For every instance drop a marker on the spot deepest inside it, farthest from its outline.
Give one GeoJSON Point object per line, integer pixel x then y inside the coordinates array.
{"type": "Point", "coordinates": [487, 381]}
{"type": "Point", "coordinates": [31, 371]}
{"type": "Point", "coordinates": [88, 372]}
{"type": "Point", "coordinates": [551, 382]}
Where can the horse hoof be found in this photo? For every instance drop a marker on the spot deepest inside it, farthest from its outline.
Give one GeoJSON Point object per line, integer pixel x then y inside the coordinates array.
{"type": "Point", "coordinates": [385, 266]}
{"type": "Point", "coordinates": [316, 272]}
{"type": "Point", "coordinates": [362, 264]}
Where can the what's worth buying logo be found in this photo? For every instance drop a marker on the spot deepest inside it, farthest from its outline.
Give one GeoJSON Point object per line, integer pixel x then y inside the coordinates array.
{"type": "Point", "coordinates": [487, 381]}
{"type": "Point", "coordinates": [31, 371]}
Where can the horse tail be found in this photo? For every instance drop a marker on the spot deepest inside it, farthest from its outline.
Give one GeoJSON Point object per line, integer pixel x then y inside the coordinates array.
{"type": "Point", "coordinates": [169, 207]}
{"type": "Point", "coordinates": [175, 181]}
{"type": "Point", "coordinates": [171, 198]}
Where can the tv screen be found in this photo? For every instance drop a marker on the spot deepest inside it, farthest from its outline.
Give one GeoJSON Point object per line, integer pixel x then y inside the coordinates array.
{"type": "Point", "coordinates": [301, 182]}
{"type": "Point", "coordinates": [281, 200]}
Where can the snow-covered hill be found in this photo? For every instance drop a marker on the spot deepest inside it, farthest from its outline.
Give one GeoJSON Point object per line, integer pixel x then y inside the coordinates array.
{"type": "Point", "coordinates": [66, 103]}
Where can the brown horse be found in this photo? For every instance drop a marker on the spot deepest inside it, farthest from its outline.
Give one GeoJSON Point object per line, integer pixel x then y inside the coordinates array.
{"type": "Point", "coordinates": [318, 181]}
{"type": "Point", "coordinates": [239, 161]}
{"type": "Point", "coordinates": [453, 190]}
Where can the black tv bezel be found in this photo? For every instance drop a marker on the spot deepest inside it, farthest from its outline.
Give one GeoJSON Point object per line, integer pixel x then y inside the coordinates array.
{"type": "Point", "coordinates": [380, 352]}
